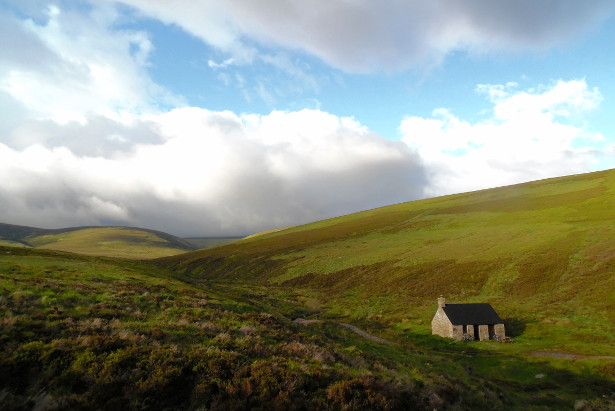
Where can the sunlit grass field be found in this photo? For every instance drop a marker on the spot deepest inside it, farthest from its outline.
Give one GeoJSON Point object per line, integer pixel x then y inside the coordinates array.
{"type": "Point", "coordinates": [542, 253]}
{"type": "Point", "coordinates": [213, 329]}
{"type": "Point", "coordinates": [81, 332]}
{"type": "Point", "coordinates": [121, 242]}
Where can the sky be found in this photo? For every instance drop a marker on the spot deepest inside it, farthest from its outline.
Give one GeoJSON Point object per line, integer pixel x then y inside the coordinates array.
{"type": "Point", "coordinates": [227, 117]}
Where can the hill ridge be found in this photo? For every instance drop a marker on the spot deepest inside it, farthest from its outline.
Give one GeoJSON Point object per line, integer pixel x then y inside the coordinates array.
{"type": "Point", "coordinates": [538, 251]}
{"type": "Point", "coordinates": [19, 233]}
{"type": "Point", "coordinates": [121, 241]}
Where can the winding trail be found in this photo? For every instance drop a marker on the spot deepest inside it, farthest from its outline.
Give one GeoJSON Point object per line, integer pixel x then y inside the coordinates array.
{"type": "Point", "coordinates": [365, 334]}
{"type": "Point", "coordinates": [368, 336]}
{"type": "Point", "coordinates": [570, 356]}
{"type": "Point", "coordinates": [351, 327]}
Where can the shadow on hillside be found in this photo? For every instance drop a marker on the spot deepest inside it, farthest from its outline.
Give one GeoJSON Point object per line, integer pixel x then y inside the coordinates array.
{"type": "Point", "coordinates": [514, 326]}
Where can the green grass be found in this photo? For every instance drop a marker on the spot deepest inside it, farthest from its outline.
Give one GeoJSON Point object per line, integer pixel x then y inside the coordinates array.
{"type": "Point", "coordinates": [108, 241]}
{"type": "Point", "coordinates": [121, 242]}
{"type": "Point", "coordinates": [541, 253]}
{"type": "Point", "coordinates": [84, 332]}
{"type": "Point", "coordinates": [9, 243]}
{"type": "Point", "coordinates": [207, 242]}
{"type": "Point", "coordinates": [213, 328]}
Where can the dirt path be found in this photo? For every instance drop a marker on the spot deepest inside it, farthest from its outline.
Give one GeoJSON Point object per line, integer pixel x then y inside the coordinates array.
{"type": "Point", "coordinates": [365, 334]}
{"type": "Point", "coordinates": [571, 356]}
{"type": "Point", "coordinates": [351, 327]}
{"type": "Point", "coordinates": [371, 337]}
{"type": "Point", "coordinates": [303, 321]}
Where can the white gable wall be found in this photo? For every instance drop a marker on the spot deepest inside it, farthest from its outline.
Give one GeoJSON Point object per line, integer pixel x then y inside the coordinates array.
{"type": "Point", "coordinates": [441, 325]}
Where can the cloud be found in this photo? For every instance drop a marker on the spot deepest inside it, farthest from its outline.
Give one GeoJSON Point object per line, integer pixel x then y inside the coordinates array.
{"type": "Point", "coordinates": [211, 173]}
{"type": "Point", "coordinates": [529, 135]}
{"type": "Point", "coordinates": [71, 63]}
{"type": "Point", "coordinates": [96, 135]}
{"type": "Point", "coordinates": [88, 138]}
{"type": "Point", "coordinates": [386, 35]}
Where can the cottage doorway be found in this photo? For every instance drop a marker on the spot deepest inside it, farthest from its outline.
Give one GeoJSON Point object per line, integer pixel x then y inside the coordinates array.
{"type": "Point", "coordinates": [472, 331]}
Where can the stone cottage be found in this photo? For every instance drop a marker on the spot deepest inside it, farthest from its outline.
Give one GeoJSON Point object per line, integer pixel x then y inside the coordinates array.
{"type": "Point", "coordinates": [474, 321]}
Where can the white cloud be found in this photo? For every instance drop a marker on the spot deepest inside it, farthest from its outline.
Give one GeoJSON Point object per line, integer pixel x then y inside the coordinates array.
{"type": "Point", "coordinates": [96, 135]}
{"type": "Point", "coordinates": [383, 35]}
{"type": "Point", "coordinates": [559, 100]}
{"type": "Point", "coordinates": [70, 64]}
{"type": "Point", "coordinates": [528, 137]}
{"type": "Point", "coordinates": [85, 140]}
{"type": "Point", "coordinates": [212, 173]}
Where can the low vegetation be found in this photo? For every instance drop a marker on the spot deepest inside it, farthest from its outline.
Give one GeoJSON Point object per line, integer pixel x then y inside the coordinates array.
{"type": "Point", "coordinates": [207, 242]}
{"type": "Point", "coordinates": [214, 329]}
{"type": "Point", "coordinates": [109, 241]}
{"type": "Point", "coordinates": [121, 242]}
{"type": "Point", "coordinates": [81, 332]}
{"type": "Point", "coordinates": [84, 332]}
{"type": "Point", "coordinates": [541, 253]}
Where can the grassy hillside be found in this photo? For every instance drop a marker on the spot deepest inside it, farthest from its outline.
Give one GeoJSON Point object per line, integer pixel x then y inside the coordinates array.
{"type": "Point", "coordinates": [124, 242]}
{"type": "Point", "coordinates": [542, 253]}
{"type": "Point", "coordinates": [81, 332]}
{"type": "Point", "coordinates": [207, 242]}
{"type": "Point", "coordinates": [214, 329]}
{"type": "Point", "coordinates": [108, 241]}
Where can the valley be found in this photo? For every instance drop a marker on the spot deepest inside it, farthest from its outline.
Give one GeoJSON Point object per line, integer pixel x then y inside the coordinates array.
{"type": "Point", "coordinates": [218, 328]}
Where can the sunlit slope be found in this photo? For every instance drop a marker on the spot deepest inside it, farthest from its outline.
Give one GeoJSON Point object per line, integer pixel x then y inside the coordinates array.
{"type": "Point", "coordinates": [108, 241]}
{"type": "Point", "coordinates": [102, 241]}
{"type": "Point", "coordinates": [109, 334]}
{"type": "Point", "coordinates": [83, 332]}
{"type": "Point", "coordinates": [539, 246]}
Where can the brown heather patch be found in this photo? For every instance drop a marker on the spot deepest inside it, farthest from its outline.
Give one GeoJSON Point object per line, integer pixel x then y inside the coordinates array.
{"type": "Point", "coordinates": [419, 281]}
{"type": "Point", "coordinates": [523, 203]}
{"type": "Point", "coordinates": [543, 252]}
{"type": "Point", "coordinates": [607, 368]}
{"type": "Point", "coordinates": [542, 269]}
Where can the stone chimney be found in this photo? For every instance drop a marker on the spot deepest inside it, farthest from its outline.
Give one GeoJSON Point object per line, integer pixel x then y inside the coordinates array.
{"type": "Point", "coordinates": [441, 302]}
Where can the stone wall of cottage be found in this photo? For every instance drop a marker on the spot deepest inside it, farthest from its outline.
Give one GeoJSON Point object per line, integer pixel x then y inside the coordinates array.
{"type": "Point", "coordinates": [457, 332]}
{"type": "Point", "coordinates": [499, 331]}
{"type": "Point", "coordinates": [441, 325]}
{"type": "Point", "coordinates": [483, 332]}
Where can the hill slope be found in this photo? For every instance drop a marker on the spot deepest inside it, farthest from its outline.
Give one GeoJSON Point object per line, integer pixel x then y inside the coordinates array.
{"type": "Point", "coordinates": [82, 332]}
{"type": "Point", "coordinates": [542, 253]}
{"type": "Point", "coordinates": [126, 242]}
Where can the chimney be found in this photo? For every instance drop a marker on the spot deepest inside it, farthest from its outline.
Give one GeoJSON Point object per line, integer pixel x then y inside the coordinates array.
{"type": "Point", "coordinates": [441, 302]}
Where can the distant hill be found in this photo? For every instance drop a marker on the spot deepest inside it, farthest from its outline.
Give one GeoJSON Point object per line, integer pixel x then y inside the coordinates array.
{"type": "Point", "coordinates": [543, 253]}
{"type": "Point", "coordinates": [330, 315]}
{"type": "Point", "coordinates": [125, 242]}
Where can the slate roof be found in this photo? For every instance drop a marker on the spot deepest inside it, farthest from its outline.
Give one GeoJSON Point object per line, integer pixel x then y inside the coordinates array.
{"type": "Point", "coordinates": [476, 314]}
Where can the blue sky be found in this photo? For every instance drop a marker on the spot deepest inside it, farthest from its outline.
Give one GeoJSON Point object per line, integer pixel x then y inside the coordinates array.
{"type": "Point", "coordinates": [208, 117]}
{"type": "Point", "coordinates": [379, 99]}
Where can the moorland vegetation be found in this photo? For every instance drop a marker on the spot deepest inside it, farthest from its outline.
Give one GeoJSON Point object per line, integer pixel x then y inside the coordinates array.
{"type": "Point", "coordinates": [121, 242]}
{"type": "Point", "coordinates": [542, 253]}
{"type": "Point", "coordinates": [214, 329]}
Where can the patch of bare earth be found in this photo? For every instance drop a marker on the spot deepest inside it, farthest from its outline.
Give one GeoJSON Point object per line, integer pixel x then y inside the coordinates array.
{"type": "Point", "coordinates": [365, 334]}
{"type": "Point", "coordinates": [303, 321]}
{"type": "Point", "coordinates": [351, 327]}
